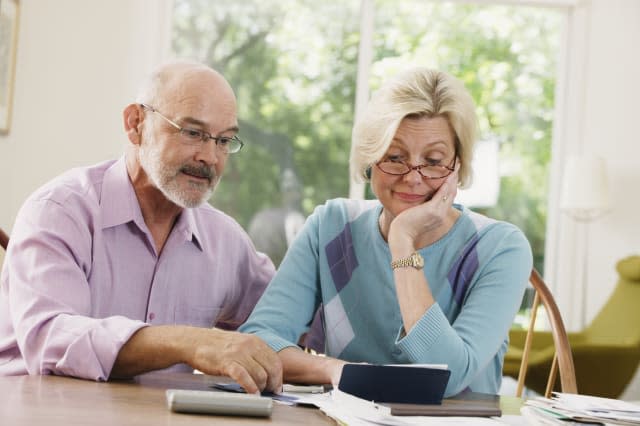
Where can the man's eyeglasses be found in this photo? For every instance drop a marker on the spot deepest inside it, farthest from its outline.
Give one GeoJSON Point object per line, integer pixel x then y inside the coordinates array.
{"type": "Point", "coordinates": [427, 171]}
{"type": "Point", "coordinates": [196, 137]}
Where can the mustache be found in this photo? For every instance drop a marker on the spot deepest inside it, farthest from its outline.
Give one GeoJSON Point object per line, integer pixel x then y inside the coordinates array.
{"type": "Point", "coordinates": [199, 171]}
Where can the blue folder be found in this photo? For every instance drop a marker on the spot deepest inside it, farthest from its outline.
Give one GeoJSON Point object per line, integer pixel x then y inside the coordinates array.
{"type": "Point", "coordinates": [396, 384]}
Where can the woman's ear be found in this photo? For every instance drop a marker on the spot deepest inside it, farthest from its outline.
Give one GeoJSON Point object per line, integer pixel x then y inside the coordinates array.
{"type": "Point", "coordinates": [132, 117]}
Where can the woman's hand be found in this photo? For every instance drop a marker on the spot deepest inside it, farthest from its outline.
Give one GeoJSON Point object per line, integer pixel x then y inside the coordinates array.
{"type": "Point", "coordinates": [412, 225]}
{"type": "Point", "coordinates": [301, 367]}
{"type": "Point", "coordinates": [335, 371]}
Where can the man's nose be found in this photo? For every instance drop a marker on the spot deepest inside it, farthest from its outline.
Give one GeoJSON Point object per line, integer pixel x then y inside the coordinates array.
{"type": "Point", "coordinates": [208, 152]}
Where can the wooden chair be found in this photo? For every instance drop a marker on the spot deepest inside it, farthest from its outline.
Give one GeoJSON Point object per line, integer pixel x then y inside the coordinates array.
{"type": "Point", "coordinates": [4, 239]}
{"type": "Point", "coordinates": [606, 353]}
{"type": "Point", "coordinates": [562, 358]}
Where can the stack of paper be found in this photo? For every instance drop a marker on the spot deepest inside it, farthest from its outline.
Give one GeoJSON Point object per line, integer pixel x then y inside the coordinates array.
{"type": "Point", "coordinates": [350, 410]}
{"type": "Point", "coordinates": [563, 407]}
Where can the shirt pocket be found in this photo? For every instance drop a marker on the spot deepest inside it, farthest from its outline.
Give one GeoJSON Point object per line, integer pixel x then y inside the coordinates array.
{"type": "Point", "coordinates": [197, 316]}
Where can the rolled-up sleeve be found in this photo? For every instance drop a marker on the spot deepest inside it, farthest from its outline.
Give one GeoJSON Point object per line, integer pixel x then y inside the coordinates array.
{"type": "Point", "coordinates": [49, 296]}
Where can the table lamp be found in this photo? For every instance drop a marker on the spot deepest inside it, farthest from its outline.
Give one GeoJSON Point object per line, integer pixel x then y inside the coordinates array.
{"type": "Point", "coordinates": [585, 198]}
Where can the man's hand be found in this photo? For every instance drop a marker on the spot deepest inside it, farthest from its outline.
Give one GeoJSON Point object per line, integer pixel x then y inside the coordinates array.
{"type": "Point", "coordinates": [243, 357]}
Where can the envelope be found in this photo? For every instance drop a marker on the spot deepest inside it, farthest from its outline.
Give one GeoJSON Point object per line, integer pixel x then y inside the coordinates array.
{"type": "Point", "coordinates": [397, 384]}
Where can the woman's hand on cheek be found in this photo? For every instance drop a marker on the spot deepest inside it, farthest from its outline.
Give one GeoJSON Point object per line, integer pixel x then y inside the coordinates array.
{"type": "Point", "coordinates": [449, 189]}
{"type": "Point", "coordinates": [429, 215]}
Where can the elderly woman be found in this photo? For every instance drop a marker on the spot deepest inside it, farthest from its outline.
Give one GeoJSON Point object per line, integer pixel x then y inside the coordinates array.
{"type": "Point", "coordinates": [410, 277]}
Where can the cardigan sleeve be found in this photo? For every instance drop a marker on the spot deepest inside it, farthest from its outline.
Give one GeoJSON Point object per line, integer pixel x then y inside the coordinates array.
{"type": "Point", "coordinates": [287, 307]}
{"type": "Point", "coordinates": [472, 340]}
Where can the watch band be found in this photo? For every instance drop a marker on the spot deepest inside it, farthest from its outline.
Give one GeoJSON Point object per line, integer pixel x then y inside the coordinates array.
{"type": "Point", "coordinates": [414, 260]}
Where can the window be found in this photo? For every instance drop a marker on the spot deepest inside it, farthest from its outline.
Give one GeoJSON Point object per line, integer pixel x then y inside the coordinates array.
{"type": "Point", "coordinates": [294, 64]}
{"type": "Point", "coordinates": [506, 56]}
{"type": "Point", "coordinates": [293, 67]}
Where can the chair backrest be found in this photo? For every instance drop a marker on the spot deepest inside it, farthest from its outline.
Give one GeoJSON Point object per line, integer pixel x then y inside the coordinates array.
{"type": "Point", "coordinates": [563, 359]}
{"type": "Point", "coordinates": [617, 322]}
{"type": "Point", "coordinates": [4, 239]}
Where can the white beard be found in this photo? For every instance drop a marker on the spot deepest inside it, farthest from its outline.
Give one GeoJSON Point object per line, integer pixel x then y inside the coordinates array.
{"type": "Point", "coordinates": [165, 178]}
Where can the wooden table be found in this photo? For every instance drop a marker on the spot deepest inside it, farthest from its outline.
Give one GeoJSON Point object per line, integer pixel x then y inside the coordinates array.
{"type": "Point", "coordinates": [53, 401]}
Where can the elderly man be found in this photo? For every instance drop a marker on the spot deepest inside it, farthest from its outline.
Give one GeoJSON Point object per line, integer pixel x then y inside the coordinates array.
{"type": "Point", "coordinates": [123, 268]}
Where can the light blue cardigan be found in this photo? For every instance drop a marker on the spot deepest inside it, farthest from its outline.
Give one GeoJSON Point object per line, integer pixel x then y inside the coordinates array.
{"type": "Point", "coordinates": [477, 274]}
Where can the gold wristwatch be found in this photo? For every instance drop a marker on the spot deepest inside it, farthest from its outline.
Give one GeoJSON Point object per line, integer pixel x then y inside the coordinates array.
{"type": "Point", "coordinates": [415, 260]}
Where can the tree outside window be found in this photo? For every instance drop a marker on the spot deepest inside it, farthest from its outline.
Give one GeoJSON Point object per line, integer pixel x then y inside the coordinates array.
{"type": "Point", "coordinates": [293, 64]}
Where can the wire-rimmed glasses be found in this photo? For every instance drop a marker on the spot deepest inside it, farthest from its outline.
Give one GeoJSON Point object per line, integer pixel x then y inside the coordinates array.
{"type": "Point", "coordinates": [427, 171]}
{"type": "Point", "coordinates": [197, 137]}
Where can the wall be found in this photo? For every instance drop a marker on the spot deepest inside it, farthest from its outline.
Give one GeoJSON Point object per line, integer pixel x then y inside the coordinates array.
{"type": "Point", "coordinates": [602, 89]}
{"type": "Point", "coordinates": [611, 120]}
{"type": "Point", "coordinates": [80, 61]}
{"type": "Point", "coordinates": [78, 64]}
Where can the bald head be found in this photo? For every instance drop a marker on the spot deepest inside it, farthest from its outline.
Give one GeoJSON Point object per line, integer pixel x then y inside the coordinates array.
{"type": "Point", "coordinates": [182, 81]}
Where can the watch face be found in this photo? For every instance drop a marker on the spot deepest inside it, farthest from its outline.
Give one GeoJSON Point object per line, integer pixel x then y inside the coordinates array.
{"type": "Point", "coordinates": [418, 261]}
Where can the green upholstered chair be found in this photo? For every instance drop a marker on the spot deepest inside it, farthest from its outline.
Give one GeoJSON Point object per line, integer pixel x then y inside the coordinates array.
{"type": "Point", "coordinates": [606, 354]}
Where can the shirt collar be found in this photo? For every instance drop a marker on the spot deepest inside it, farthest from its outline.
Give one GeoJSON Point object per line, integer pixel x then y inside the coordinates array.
{"type": "Point", "coordinates": [187, 226]}
{"type": "Point", "coordinates": [119, 205]}
{"type": "Point", "coordinates": [118, 201]}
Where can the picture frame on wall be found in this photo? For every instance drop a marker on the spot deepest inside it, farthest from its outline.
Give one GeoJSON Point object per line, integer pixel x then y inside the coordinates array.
{"type": "Point", "coordinates": [8, 45]}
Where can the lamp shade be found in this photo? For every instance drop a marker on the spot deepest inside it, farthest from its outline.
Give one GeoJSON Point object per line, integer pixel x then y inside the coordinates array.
{"type": "Point", "coordinates": [485, 188]}
{"type": "Point", "coordinates": [585, 188]}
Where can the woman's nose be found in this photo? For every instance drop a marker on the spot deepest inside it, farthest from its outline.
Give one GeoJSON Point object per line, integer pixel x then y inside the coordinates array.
{"type": "Point", "coordinates": [413, 176]}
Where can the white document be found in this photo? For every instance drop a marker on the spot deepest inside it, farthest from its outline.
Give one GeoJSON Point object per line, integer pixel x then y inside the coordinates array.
{"type": "Point", "coordinates": [436, 366]}
{"type": "Point", "coordinates": [564, 406]}
{"type": "Point", "coordinates": [349, 410]}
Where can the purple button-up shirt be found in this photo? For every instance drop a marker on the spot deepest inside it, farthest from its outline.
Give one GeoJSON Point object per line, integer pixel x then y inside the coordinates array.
{"type": "Point", "coordinates": [82, 274]}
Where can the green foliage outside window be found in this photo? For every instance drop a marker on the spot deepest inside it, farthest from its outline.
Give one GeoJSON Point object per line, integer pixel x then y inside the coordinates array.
{"type": "Point", "coordinates": [293, 64]}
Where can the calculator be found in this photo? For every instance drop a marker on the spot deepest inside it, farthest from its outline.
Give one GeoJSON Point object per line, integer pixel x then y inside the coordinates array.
{"type": "Point", "coordinates": [213, 402]}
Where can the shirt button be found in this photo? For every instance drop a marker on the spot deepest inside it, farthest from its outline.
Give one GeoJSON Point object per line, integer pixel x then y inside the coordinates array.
{"type": "Point", "coordinates": [151, 316]}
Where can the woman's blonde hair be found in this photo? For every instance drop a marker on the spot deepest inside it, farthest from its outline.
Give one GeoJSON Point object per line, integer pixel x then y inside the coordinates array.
{"type": "Point", "coordinates": [416, 92]}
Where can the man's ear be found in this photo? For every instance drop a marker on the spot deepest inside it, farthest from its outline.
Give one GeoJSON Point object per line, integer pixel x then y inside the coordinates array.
{"type": "Point", "coordinates": [132, 116]}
